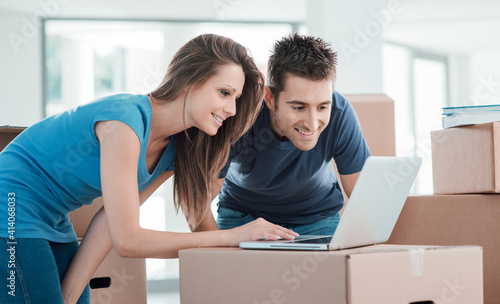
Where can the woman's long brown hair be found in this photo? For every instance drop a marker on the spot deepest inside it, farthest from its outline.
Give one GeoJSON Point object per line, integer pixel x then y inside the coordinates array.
{"type": "Point", "coordinates": [199, 157]}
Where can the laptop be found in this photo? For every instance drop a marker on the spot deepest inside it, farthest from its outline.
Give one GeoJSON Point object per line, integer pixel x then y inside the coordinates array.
{"type": "Point", "coordinates": [371, 212]}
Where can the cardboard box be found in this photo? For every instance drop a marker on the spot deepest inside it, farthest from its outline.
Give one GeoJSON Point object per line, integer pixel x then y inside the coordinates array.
{"type": "Point", "coordinates": [7, 134]}
{"type": "Point", "coordinates": [466, 159]}
{"type": "Point", "coordinates": [373, 274]}
{"type": "Point", "coordinates": [81, 218]}
{"type": "Point", "coordinates": [119, 280]}
{"type": "Point", "coordinates": [456, 220]}
{"type": "Point", "coordinates": [376, 117]}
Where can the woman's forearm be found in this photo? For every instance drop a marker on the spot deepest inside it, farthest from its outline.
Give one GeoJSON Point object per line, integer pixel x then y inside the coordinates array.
{"type": "Point", "coordinates": [93, 249]}
{"type": "Point", "coordinates": [160, 244]}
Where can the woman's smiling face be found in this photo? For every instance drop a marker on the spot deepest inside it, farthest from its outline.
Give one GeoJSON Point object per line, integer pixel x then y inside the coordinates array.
{"type": "Point", "coordinates": [208, 105]}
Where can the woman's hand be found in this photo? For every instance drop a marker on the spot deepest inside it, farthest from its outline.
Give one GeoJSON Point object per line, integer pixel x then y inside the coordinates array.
{"type": "Point", "coordinates": [257, 230]}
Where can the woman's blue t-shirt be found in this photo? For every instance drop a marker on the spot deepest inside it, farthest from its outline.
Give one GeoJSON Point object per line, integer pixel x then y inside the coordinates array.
{"type": "Point", "coordinates": [53, 167]}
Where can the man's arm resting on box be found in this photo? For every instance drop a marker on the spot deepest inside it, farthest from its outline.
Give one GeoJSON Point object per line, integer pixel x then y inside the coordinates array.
{"type": "Point", "coordinates": [348, 182]}
{"type": "Point", "coordinates": [208, 222]}
{"type": "Point", "coordinates": [95, 246]}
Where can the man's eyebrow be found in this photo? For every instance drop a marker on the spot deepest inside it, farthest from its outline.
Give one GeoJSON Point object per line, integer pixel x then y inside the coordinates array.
{"type": "Point", "coordinates": [298, 102]}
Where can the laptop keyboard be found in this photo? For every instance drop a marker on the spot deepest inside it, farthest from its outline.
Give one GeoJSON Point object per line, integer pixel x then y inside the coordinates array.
{"type": "Point", "coordinates": [322, 240]}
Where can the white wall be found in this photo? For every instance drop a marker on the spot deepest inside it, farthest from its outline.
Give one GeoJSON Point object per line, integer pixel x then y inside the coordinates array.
{"type": "Point", "coordinates": [20, 72]}
{"type": "Point", "coordinates": [484, 81]}
{"type": "Point", "coordinates": [459, 77]}
{"type": "Point", "coordinates": [355, 30]}
{"type": "Point", "coordinates": [475, 78]}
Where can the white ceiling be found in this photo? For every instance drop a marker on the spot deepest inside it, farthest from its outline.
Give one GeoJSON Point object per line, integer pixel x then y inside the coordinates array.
{"type": "Point", "coordinates": [447, 26]}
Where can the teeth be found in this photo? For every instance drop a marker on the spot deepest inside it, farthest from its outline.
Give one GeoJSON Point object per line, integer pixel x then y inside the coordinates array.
{"type": "Point", "coordinates": [217, 118]}
{"type": "Point", "coordinates": [305, 133]}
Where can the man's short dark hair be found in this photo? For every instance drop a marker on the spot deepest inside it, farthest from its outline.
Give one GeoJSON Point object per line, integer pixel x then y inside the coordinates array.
{"type": "Point", "coordinates": [303, 56]}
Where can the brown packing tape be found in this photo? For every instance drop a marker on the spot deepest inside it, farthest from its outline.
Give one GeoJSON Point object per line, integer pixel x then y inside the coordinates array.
{"type": "Point", "coordinates": [417, 254]}
{"type": "Point", "coordinates": [417, 257]}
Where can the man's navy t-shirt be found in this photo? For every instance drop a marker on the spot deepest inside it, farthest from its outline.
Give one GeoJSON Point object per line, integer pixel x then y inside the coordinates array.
{"type": "Point", "coordinates": [274, 180]}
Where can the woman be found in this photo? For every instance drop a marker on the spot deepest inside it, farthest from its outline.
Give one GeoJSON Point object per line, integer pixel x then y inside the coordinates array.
{"type": "Point", "coordinates": [120, 149]}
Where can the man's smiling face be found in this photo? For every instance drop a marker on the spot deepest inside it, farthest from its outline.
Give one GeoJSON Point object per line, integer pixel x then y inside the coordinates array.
{"type": "Point", "coordinates": [302, 110]}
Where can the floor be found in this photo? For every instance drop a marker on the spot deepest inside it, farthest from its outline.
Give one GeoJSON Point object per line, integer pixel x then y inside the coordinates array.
{"type": "Point", "coordinates": [164, 298]}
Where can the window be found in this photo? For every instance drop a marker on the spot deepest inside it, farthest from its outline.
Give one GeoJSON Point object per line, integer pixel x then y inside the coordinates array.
{"type": "Point", "coordinates": [418, 83]}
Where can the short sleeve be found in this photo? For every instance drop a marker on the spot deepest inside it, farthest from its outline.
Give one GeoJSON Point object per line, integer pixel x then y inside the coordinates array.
{"type": "Point", "coordinates": [350, 150]}
{"type": "Point", "coordinates": [129, 113]}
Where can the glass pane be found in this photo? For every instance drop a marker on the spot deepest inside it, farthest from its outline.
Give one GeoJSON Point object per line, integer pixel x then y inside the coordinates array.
{"type": "Point", "coordinates": [153, 217]}
{"type": "Point", "coordinates": [258, 38]}
{"type": "Point", "coordinates": [86, 60]}
{"type": "Point", "coordinates": [418, 87]}
{"type": "Point", "coordinates": [396, 73]}
{"type": "Point", "coordinates": [430, 96]}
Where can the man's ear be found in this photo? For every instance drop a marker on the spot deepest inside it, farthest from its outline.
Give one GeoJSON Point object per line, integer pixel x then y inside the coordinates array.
{"type": "Point", "coordinates": [269, 98]}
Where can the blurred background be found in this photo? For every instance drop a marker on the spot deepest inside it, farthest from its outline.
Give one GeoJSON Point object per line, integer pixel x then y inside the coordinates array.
{"type": "Point", "coordinates": [57, 54]}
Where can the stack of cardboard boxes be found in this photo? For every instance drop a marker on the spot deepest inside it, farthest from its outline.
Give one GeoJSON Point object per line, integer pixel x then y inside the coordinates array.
{"type": "Point", "coordinates": [465, 209]}
{"type": "Point", "coordinates": [117, 280]}
{"type": "Point", "coordinates": [372, 274]}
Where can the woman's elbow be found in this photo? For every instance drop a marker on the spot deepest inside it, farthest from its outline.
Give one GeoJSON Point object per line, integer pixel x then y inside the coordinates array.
{"type": "Point", "coordinates": [123, 251]}
{"type": "Point", "coordinates": [124, 247]}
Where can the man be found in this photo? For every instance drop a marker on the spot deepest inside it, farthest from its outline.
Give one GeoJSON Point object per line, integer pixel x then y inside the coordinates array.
{"type": "Point", "coordinates": [281, 169]}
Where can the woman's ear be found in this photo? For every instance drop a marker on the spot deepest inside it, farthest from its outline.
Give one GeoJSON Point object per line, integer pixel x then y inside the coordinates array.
{"type": "Point", "coordinates": [269, 98]}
